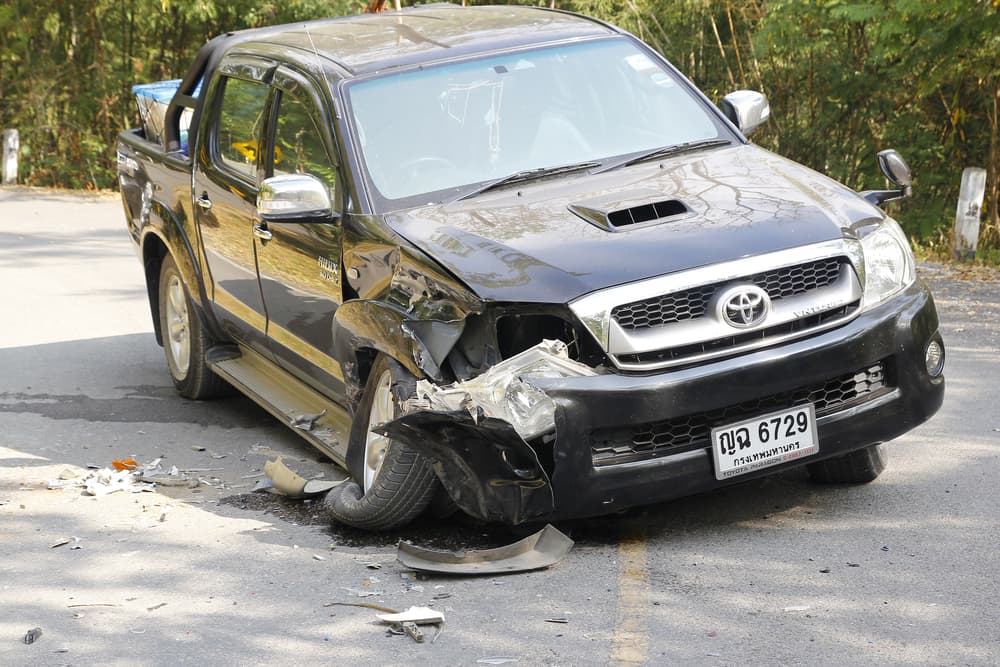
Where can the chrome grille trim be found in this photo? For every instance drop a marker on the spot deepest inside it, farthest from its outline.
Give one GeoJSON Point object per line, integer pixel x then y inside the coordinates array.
{"type": "Point", "coordinates": [644, 349]}
{"type": "Point", "coordinates": [691, 304]}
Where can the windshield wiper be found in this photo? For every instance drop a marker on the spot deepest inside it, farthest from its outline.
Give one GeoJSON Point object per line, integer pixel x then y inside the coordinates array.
{"type": "Point", "coordinates": [524, 175]}
{"type": "Point", "coordinates": [660, 152]}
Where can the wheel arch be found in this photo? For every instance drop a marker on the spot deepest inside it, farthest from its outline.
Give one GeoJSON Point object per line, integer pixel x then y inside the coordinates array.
{"type": "Point", "coordinates": [165, 235]}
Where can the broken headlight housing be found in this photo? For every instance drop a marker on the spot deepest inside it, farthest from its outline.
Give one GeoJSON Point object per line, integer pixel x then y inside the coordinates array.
{"type": "Point", "coordinates": [502, 391]}
{"type": "Point", "coordinates": [889, 264]}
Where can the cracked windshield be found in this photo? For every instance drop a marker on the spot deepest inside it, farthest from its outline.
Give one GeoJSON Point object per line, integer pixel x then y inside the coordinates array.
{"type": "Point", "coordinates": [476, 121]}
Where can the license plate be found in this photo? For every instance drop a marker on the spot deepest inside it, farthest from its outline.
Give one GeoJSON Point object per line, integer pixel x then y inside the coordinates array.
{"type": "Point", "coordinates": [764, 441]}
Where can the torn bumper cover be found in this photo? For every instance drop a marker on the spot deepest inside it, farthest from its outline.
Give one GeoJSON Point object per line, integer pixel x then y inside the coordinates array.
{"type": "Point", "coordinates": [475, 432]}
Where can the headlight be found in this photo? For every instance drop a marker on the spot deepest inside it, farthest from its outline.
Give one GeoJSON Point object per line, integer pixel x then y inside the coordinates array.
{"type": "Point", "coordinates": [889, 263]}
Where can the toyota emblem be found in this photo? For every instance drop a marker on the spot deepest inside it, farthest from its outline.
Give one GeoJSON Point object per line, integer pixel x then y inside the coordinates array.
{"type": "Point", "coordinates": [744, 306]}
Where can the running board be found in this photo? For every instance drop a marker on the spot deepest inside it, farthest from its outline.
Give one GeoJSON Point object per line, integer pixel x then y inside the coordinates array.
{"type": "Point", "coordinates": [324, 423]}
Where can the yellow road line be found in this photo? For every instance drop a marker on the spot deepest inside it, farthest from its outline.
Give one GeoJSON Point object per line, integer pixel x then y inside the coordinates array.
{"type": "Point", "coordinates": [630, 641]}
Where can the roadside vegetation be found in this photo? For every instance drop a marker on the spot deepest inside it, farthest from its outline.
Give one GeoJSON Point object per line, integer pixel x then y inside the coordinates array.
{"type": "Point", "coordinates": [845, 80]}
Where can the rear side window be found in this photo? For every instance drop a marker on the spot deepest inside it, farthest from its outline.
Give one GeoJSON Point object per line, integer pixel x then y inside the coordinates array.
{"type": "Point", "coordinates": [241, 118]}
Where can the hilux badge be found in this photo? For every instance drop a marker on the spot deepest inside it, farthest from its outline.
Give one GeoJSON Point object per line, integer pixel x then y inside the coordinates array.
{"type": "Point", "coordinates": [744, 306]}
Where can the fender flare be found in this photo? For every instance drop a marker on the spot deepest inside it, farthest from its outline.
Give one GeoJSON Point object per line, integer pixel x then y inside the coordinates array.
{"type": "Point", "coordinates": [166, 227]}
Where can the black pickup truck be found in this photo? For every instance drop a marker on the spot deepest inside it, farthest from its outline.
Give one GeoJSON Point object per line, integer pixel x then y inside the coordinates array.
{"type": "Point", "coordinates": [512, 257]}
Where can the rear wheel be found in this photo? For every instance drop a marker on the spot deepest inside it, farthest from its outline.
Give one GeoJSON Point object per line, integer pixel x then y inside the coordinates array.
{"type": "Point", "coordinates": [858, 467]}
{"type": "Point", "coordinates": [396, 482]}
{"type": "Point", "coordinates": [184, 339]}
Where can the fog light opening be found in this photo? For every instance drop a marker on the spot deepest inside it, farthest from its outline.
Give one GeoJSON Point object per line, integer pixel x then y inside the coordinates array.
{"type": "Point", "coordinates": [934, 358]}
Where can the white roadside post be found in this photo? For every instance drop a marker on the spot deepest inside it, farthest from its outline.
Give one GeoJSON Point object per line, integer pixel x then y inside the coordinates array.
{"type": "Point", "coordinates": [11, 147]}
{"type": "Point", "coordinates": [970, 203]}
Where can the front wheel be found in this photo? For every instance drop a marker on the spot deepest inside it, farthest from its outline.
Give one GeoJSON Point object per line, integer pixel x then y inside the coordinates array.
{"type": "Point", "coordinates": [184, 339]}
{"type": "Point", "coordinates": [396, 482]}
{"type": "Point", "coordinates": [858, 467]}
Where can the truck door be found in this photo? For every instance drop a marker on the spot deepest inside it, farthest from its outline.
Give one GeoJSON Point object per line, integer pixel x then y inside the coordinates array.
{"type": "Point", "coordinates": [225, 184]}
{"type": "Point", "coordinates": [299, 261]}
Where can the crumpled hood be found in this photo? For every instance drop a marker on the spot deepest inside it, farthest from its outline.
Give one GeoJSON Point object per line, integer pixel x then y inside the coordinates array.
{"type": "Point", "coordinates": [524, 244]}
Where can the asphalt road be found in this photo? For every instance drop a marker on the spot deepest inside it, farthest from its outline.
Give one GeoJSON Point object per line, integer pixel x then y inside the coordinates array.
{"type": "Point", "coordinates": [778, 572]}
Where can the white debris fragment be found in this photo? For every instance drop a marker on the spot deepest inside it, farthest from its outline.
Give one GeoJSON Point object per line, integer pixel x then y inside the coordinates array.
{"type": "Point", "coordinates": [503, 392]}
{"type": "Point", "coordinates": [418, 615]}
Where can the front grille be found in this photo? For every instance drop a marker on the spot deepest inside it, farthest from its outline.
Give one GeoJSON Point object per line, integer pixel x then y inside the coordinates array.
{"type": "Point", "coordinates": [679, 434]}
{"type": "Point", "coordinates": [738, 340]}
{"type": "Point", "coordinates": [692, 303]}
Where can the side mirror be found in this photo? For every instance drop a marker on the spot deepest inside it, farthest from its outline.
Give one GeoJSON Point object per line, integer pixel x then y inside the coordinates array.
{"type": "Point", "coordinates": [747, 109]}
{"type": "Point", "coordinates": [893, 167]}
{"type": "Point", "coordinates": [293, 196]}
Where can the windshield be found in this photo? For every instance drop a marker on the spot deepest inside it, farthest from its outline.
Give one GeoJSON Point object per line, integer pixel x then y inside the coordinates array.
{"type": "Point", "coordinates": [426, 135]}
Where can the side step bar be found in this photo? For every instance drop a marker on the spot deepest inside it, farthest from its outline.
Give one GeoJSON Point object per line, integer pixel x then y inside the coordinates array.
{"type": "Point", "coordinates": [287, 399]}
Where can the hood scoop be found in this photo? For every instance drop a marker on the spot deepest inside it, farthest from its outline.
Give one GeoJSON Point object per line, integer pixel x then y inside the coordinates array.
{"type": "Point", "coordinates": [621, 215]}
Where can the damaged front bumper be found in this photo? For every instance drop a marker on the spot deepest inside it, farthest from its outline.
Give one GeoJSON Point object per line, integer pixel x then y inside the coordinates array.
{"type": "Point", "coordinates": [476, 433]}
{"type": "Point", "coordinates": [495, 451]}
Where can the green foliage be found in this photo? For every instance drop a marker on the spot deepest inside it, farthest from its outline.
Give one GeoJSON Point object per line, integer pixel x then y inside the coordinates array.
{"type": "Point", "coordinates": [67, 68]}
{"type": "Point", "coordinates": [846, 78]}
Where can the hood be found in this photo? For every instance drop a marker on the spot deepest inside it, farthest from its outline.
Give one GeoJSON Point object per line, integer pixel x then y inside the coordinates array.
{"type": "Point", "coordinates": [549, 241]}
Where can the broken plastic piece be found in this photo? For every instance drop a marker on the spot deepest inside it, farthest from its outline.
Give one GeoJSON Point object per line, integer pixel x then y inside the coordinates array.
{"type": "Point", "coordinates": [411, 629]}
{"type": "Point", "coordinates": [503, 392]}
{"type": "Point", "coordinates": [125, 464]}
{"type": "Point", "coordinates": [285, 482]}
{"type": "Point", "coordinates": [544, 548]}
{"type": "Point", "coordinates": [418, 615]}
{"type": "Point", "coordinates": [496, 660]}
{"type": "Point", "coordinates": [306, 421]}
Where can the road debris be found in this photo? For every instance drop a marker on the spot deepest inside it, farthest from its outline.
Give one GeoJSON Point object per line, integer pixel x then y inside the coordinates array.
{"type": "Point", "coordinates": [285, 482]}
{"type": "Point", "coordinates": [496, 660]}
{"type": "Point", "coordinates": [363, 594]}
{"type": "Point", "coordinates": [102, 482]}
{"type": "Point", "coordinates": [415, 633]}
{"type": "Point", "coordinates": [305, 421]}
{"type": "Point", "coordinates": [156, 606]}
{"type": "Point", "coordinates": [544, 548]}
{"type": "Point", "coordinates": [797, 608]}
{"type": "Point", "coordinates": [418, 615]}
{"type": "Point", "coordinates": [557, 620]}
{"type": "Point", "coordinates": [409, 620]}
{"type": "Point", "coordinates": [32, 635]}
{"type": "Point", "coordinates": [366, 605]}
{"type": "Point", "coordinates": [125, 464]}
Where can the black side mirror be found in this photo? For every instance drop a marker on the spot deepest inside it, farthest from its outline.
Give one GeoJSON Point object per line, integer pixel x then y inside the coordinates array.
{"type": "Point", "coordinates": [893, 167]}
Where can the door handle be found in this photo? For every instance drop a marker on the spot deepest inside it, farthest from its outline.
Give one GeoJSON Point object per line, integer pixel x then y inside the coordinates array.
{"type": "Point", "coordinates": [262, 233]}
{"type": "Point", "coordinates": [204, 202]}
